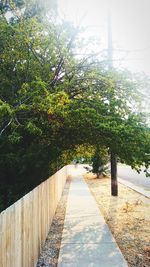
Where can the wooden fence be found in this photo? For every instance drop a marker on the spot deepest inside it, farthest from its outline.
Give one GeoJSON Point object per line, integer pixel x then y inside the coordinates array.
{"type": "Point", "coordinates": [24, 225]}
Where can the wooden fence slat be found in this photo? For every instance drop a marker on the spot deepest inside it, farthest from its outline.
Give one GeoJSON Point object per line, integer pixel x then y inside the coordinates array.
{"type": "Point", "coordinates": [3, 239]}
{"type": "Point", "coordinates": [35, 225]}
{"type": "Point", "coordinates": [24, 225]}
{"type": "Point", "coordinates": [18, 233]}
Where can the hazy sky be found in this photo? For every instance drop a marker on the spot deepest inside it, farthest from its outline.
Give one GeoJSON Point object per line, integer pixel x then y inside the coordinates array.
{"type": "Point", "coordinates": [130, 27]}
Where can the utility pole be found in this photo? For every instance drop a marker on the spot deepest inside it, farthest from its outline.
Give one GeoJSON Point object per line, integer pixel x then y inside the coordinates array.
{"type": "Point", "coordinates": [113, 157]}
{"type": "Point", "coordinates": [110, 45]}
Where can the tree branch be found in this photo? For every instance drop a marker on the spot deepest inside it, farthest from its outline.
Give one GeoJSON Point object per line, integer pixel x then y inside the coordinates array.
{"type": "Point", "coordinates": [6, 126]}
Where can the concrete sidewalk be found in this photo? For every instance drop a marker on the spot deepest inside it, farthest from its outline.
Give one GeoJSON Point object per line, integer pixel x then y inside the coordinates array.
{"type": "Point", "coordinates": [86, 240]}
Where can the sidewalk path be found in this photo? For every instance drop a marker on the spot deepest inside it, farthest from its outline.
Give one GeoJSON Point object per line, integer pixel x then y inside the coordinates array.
{"type": "Point", "coordinates": [86, 240]}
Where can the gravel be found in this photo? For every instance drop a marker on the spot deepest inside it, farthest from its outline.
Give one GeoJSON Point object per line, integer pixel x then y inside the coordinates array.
{"type": "Point", "coordinates": [50, 251]}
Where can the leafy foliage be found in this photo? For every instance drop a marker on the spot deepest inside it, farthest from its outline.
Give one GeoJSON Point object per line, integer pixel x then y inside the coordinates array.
{"type": "Point", "coordinates": [99, 160]}
{"type": "Point", "coordinates": [54, 104]}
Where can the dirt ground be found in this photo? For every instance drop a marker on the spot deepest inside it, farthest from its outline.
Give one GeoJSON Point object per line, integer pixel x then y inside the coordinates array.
{"type": "Point", "coordinates": [50, 251]}
{"type": "Point", "coordinates": [128, 217]}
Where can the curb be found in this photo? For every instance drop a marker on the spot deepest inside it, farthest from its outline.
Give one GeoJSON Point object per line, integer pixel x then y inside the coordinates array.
{"type": "Point", "coordinates": [134, 187]}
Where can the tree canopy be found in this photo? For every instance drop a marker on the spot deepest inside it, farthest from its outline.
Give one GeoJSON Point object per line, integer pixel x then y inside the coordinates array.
{"type": "Point", "coordinates": [53, 101]}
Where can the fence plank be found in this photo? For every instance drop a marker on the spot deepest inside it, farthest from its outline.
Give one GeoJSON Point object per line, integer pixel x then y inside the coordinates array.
{"type": "Point", "coordinates": [18, 233]}
{"type": "Point", "coordinates": [25, 225]}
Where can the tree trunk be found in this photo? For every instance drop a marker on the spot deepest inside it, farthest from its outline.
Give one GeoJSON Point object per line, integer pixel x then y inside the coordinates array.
{"type": "Point", "coordinates": [114, 183]}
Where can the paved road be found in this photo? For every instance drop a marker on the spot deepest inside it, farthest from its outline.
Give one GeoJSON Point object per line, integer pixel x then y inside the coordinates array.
{"type": "Point", "coordinates": [126, 173]}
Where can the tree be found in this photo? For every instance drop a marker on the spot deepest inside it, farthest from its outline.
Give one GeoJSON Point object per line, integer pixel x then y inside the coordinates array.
{"type": "Point", "coordinates": [99, 160]}
{"type": "Point", "coordinates": [28, 8]}
{"type": "Point", "coordinates": [53, 102]}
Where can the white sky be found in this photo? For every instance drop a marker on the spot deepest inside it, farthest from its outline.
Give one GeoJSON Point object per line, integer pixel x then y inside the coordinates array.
{"type": "Point", "coordinates": [130, 27]}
